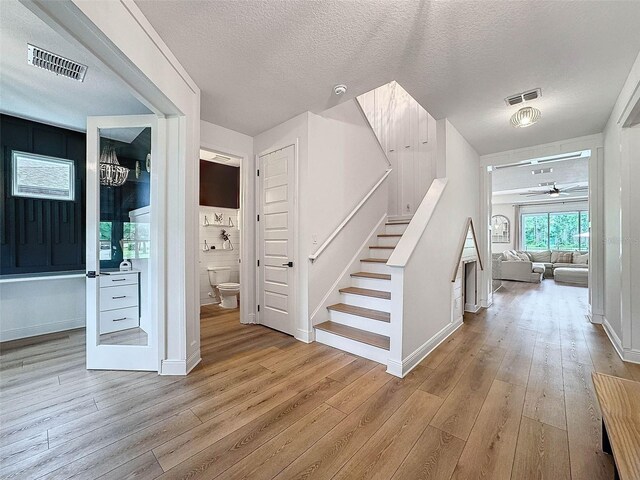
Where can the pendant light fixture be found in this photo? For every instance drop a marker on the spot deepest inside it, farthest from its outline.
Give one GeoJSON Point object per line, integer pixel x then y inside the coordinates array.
{"type": "Point", "coordinates": [112, 174]}
{"type": "Point", "coordinates": [525, 117]}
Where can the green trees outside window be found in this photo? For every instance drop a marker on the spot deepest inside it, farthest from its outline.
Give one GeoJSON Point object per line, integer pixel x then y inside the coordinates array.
{"type": "Point", "coordinates": [555, 231]}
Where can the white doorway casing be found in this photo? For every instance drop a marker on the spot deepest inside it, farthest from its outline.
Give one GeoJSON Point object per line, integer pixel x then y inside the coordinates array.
{"type": "Point", "coordinates": [123, 41]}
{"type": "Point", "coordinates": [592, 143]}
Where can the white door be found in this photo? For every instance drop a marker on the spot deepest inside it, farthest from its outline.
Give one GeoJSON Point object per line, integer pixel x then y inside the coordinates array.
{"type": "Point", "coordinates": [276, 240]}
{"type": "Point", "coordinates": [124, 222]}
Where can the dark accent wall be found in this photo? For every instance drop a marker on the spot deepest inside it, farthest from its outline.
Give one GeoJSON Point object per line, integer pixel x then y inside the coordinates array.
{"type": "Point", "coordinates": [38, 235]}
{"type": "Point", "coordinates": [219, 185]}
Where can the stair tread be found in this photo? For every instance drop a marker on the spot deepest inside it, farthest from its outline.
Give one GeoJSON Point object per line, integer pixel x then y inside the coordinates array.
{"type": "Point", "coordinates": [367, 292]}
{"type": "Point", "coordinates": [356, 334]}
{"type": "Point", "coordinates": [381, 248]}
{"type": "Point", "coordinates": [375, 260]}
{"type": "Point", "coordinates": [389, 235]}
{"type": "Point", "coordinates": [361, 312]}
{"type": "Point", "coordinates": [377, 276]}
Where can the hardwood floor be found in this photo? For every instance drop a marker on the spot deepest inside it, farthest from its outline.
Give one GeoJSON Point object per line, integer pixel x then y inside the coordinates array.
{"type": "Point", "coordinates": [508, 396]}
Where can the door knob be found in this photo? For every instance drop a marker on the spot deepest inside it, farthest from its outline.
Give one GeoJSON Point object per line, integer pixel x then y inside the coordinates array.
{"type": "Point", "coordinates": [288, 264]}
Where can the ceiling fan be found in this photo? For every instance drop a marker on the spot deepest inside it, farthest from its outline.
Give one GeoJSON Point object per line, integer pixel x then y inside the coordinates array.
{"type": "Point", "coordinates": [554, 191]}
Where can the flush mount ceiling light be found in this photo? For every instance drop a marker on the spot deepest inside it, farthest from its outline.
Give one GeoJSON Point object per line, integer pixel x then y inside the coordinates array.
{"type": "Point", "coordinates": [525, 117]}
{"type": "Point", "coordinates": [340, 89]}
{"type": "Point", "coordinates": [112, 174]}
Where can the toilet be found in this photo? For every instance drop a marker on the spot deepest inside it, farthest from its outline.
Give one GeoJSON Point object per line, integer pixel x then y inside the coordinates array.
{"type": "Point", "coordinates": [225, 292]}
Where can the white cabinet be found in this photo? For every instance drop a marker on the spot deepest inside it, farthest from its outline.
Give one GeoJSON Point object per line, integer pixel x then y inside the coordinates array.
{"type": "Point", "coordinates": [119, 300]}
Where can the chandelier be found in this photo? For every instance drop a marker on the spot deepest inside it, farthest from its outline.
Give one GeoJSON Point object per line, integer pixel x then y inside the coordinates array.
{"type": "Point", "coordinates": [112, 174]}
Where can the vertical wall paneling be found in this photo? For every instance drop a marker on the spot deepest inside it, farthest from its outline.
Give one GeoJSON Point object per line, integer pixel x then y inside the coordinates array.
{"type": "Point", "coordinates": [41, 235]}
{"type": "Point", "coordinates": [403, 128]}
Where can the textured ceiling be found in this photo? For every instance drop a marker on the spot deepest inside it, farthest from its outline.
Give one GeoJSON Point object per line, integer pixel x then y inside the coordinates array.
{"type": "Point", "coordinates": [31, 92]}
{"type": "Point", "coordinates": [260, 63]}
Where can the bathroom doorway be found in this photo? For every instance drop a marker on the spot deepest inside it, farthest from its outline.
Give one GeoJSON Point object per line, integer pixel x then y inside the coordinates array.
{"type": "Point", "coordinates": [220, 220]}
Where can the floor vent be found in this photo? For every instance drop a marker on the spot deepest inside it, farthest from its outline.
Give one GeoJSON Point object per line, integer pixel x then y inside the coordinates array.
{"type": "Point", "coordinates": [523, 97]}
{"type": "Point", "coordinates": [55, 63]}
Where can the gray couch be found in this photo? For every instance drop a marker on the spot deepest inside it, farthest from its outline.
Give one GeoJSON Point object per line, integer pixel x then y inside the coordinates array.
{"type": "Point", "coordinates": [533, 266]}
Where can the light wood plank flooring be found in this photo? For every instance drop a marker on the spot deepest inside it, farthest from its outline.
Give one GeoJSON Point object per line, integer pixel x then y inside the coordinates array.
{"type": "Point", "coordinates": [508, 396]}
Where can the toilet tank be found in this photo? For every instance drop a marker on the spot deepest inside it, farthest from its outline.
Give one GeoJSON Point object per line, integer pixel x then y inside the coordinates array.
{"type": "Point", "coordinates": [218, 275]}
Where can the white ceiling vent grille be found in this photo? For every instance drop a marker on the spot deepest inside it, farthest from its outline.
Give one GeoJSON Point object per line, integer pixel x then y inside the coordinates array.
{"type": "Point", "coordinates": [40, 58]}
{"type": "Point", "coordinates": [523, 97]}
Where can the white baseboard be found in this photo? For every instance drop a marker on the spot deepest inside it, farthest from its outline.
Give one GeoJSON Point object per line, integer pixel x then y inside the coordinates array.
{"type": "Point", "coordinates": [613, 338]}
{"type": "Point", "coordinates": [410, 362]}
{"type": "Point", "coordinates": [596, 318]}
{"type": "Point", "coordinates": [42, 329]}
{"type": "Point", "coordinates": [193, 360]}
{"type": "Point", "coordinates": [306, 336]}
{"type": "Point", "coordinates": [468, 307]}
{"type": "Point", "coordinates": [247, 319]}
{"type": "Point", "coordinates": [632, 356]}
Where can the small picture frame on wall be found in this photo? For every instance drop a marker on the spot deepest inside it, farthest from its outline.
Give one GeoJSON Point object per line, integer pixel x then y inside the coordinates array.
{"type": "Point", "coordinates": [500, 229]}
{"type": "Point", "coordinates": [218, 218]}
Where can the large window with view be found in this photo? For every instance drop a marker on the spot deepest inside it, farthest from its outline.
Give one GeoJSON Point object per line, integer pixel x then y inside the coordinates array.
{"type": "Point", "coordinates": [555, 231]}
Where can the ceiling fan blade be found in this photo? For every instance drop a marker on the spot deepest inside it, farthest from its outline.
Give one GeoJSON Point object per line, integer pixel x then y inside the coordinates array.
{"type": "Point", "coordinates": [533, 194]}
{"type": "Point", "coordinates": [576, 188]}
{"type": "Point", "coordinates": [564, 193]}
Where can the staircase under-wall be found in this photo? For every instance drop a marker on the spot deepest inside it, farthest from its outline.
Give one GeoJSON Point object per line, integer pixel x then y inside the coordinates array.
{"type": "Point", "coordinates": [361, 322]}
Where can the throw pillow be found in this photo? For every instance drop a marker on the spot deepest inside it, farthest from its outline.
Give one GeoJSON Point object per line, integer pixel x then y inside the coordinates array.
{"type": "Point", "coordinates": [564, 257]}
{"type": "Point", "coordinates": [580, 258]}
{"type": "Point", "coordinates": [560, 256]}
{"type": "Point", "coordinates": [511, 256]}
{"type": "Point", "coordinates": [541, 257]}
{"type": "Point", "coordinates": [523, 256]}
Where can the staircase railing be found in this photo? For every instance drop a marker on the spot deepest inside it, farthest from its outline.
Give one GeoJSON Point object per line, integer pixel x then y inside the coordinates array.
{"type": "Point", "coordinates": [314, 256]}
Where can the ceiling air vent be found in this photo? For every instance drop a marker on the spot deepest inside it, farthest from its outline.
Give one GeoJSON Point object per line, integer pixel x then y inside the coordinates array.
{"type": "Point", "coordinates": [38, 57]}
{"type": "Point", "coordinates": [523, 97]}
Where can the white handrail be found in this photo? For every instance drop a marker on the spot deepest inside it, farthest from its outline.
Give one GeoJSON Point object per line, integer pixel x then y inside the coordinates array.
{"type": "Point", "coordinates": [335, 233]}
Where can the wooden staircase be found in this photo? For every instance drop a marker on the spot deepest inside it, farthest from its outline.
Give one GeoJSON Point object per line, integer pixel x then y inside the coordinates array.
{"type": "Point", "coordinates": [360, 324]}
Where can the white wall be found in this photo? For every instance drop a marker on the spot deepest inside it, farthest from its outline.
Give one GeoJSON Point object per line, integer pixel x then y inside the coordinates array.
{"type": "Point", "coordinates": [218, 257]}
{"type": "Point", "coordinates": [427, 275]}
{"type": "Point", "coordinates": [344, 163]}
{"type": "Point", "coordinates": [507, 210]}
{"type": "Point", "coordinates": [621, 179]}
{"type": "Point", "coordinates": [27, 308]}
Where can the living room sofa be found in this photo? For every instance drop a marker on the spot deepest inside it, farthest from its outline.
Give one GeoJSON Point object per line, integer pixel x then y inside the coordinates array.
{"type": "Point", "coordinates": [525, 266]}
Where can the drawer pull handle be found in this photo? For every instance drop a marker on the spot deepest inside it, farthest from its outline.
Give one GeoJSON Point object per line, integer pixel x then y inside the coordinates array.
{"type": "Point", "coordinates": [119, 296]}
{"type": "Point", "coordinates": [119, 319]}
{"type": "Point", "coordinates": [118, 279]}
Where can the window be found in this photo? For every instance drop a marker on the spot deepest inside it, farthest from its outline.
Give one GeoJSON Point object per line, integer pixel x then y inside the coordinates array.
{"type": "Point", "coordinates": [37, 176]}
{"type": "Point", "coordinates": [556, 231]}
{"type": "Point", "coordinates": [105, 240]}
{"type": "Point", "coordinates": [135, 241]}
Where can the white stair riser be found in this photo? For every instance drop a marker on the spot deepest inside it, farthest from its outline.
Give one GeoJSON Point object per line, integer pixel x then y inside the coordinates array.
{"type": "Point", "coordinates": [375, 267]}
{"type": "Point", "coordinates": [366, 302]}
{"type": "Point", "coordinates": [357, 348]}
{"type": "Point", "coordinates": [379, 253]}
{"type": "Point", "coordinates": [371, 283]}
{"type": "Point", "coordinates": [395, 229]}
{"type": "Point", "coordinates": [363, 323]}
{"type": "Point", "coordinates": [388, 241]}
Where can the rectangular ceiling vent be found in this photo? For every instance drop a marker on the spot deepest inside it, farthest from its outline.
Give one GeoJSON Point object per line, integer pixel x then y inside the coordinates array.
{"type": "Point", "coordinates": [542, 170]}
{"type": "Point", "coordinates": [523, 97]}
{"type": "Point", "coordinates": [547, 184]}
{"type": "Point", "coordinates": [55, 63]}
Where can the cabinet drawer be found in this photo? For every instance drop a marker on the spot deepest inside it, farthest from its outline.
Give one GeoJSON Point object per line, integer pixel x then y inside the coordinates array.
{"type": "Point", "coordinates": [116, 279]}
{"type": "Point", "coordinates": [118, 297]}
{"type": "Point", "coordinates": [120, 319]}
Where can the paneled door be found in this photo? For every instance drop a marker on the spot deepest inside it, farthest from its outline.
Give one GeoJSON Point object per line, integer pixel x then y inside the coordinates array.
{"type": "Point", "coordinates": [276, 291]}
{"type": "Point", "coordinates": [124, 242]}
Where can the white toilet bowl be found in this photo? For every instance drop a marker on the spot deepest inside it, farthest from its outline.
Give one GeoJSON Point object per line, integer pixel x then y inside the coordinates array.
{"type": "Point", "coordinates": [229, 294]}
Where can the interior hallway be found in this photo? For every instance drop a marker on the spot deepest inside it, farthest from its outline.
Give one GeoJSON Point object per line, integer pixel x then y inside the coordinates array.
{"type": "Point", "coordinates": [509, 394]}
